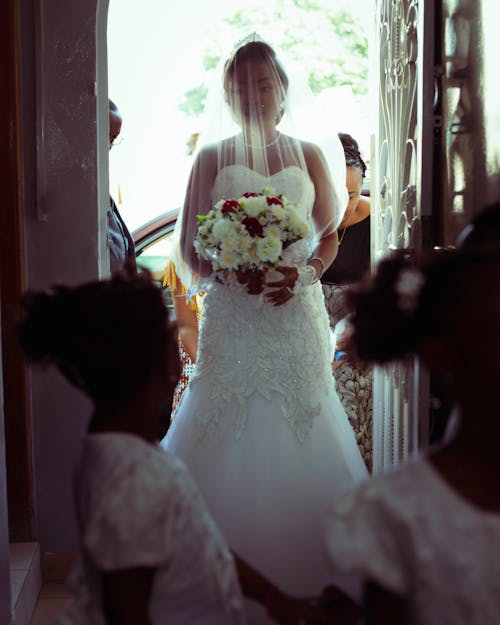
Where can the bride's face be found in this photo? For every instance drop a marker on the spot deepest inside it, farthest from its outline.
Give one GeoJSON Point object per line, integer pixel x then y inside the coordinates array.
{"type": "Point", "coordinates": [255, 94]}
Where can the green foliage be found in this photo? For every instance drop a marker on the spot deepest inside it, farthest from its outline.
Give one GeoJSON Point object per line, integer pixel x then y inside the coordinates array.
{"type": "Point", "coordinates": [329, 43]}
{"type": "Point", "coordinates": [193, 102]}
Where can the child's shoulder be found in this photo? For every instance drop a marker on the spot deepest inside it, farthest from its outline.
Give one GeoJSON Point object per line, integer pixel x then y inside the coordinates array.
{"type": "Point", "coordinates": [117, 464]}
{"type": "Point", "coordinates": [395, 492]}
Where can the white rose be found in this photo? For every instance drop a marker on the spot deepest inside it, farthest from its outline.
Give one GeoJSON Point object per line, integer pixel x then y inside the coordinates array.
{"type": "Point", "coordinates": [223, 229]}
{"type": "Point", "coordinates": [269, 249]}
{"type": "Point", "coordinates": [301, 230]}
{"type": "Point", "coordinates": [270, 191]}
{"type": "Point", "coordinates": [253, 206]}
{"type": "Point", "coordinates": [297, 223]}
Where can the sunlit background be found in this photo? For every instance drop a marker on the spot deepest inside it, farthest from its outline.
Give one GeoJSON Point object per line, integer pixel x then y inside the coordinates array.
{"type": "Point", "coordinates": [159, 55]}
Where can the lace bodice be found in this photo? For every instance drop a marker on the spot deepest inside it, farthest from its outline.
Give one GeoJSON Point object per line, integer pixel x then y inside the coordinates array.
{"type": "Point", "coordinates": [246, 345]}
{"type": "Point", "coordinates": [234, 180]}
{"type": "Point", "coordinates": [138, 507]}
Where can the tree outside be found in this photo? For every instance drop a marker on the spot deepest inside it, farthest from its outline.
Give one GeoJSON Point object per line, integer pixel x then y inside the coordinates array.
{"type": "Point", "coordinates": [330, 43]}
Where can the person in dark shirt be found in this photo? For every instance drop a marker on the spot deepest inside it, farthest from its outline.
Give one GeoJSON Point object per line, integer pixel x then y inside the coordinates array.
{"type": "Point", "coordinates": [353, 379]}
{"type": "Point", "coordinates": [353, 258]}
{"type": "Point", "coordinates": [120, 241]}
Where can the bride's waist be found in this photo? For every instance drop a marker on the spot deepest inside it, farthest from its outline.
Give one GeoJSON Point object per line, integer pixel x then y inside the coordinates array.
{"type": "Point", "coordinates": [231, 313]}
{"type": "Point", "coordinates": [228, 289]}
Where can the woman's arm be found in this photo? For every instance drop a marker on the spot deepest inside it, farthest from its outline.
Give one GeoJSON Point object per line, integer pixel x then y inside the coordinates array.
{"type": "Point", "coordinates": [324, 223]}
{"type": "Point", "coordinates": [187, 321]}
{"type": "Point", "coordinates": [125, 596]}
{"type": "Point", "coordinates": [326, 215]}
{"type": "Point", "coordinates": [197, 202]}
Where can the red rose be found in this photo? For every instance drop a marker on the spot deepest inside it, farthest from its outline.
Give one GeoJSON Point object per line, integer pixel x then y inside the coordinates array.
{"type": "Point", "coordinates": [229, 206]}
{"type": "Point", "coordinates": [250, 194]}
{"type": "Point", "coordinates": [253, 226]}
{"type": "Point", "coordinates": [274, 200]}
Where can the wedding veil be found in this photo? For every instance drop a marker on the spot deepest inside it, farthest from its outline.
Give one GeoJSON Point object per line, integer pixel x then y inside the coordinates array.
{"type": "Point", "coordinates": [260, 115]}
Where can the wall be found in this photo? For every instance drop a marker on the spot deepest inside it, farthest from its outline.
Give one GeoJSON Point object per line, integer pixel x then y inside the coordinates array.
{"type": "Point", "coordinates": [65, 216]}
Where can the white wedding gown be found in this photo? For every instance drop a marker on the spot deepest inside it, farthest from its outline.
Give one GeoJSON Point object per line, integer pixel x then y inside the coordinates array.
{"type": "Point", "coordinates": [260, 425]}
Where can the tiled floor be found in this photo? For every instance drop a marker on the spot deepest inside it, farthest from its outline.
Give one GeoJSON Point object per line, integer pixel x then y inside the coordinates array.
{"type": "Point", "coordinates": [25, 578]}
{"type": "Point", "coordinates": [50, 603]}
{"type": "Point", "coordinates": [23, 558]}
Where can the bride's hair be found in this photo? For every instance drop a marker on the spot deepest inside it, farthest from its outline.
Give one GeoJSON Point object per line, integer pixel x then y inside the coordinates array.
{"type": "Point", "coordinates": [256, 51]}
{"type": "Point", "coordinates": [401, 305]}
{"type": "Point", "coordinates": [107, 337]}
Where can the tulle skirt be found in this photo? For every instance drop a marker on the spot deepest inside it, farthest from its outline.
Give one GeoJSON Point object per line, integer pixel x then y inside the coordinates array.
{"type": "Point", "coordinates": [269, 493]}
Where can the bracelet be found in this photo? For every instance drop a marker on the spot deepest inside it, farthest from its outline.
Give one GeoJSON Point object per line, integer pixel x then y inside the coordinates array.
{"type": "Point", "coordinates": [322, 262]}
{"type": "Point", "coordinates": [306, 275]}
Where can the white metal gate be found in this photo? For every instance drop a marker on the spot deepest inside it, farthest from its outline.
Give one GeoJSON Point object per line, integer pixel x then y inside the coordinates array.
{"type": "Point", "coordinates": [401, 199]}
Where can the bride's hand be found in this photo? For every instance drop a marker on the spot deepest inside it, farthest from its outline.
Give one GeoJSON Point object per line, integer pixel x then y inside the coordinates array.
{"type": "Point", "coordinates": [282, 289]}
{"type": "Point", "coordinates": [253, 281]}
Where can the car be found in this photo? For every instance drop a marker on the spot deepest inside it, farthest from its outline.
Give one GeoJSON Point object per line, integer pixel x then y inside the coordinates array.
{"type": "Point", "coordinates": [152, 242]}
{"type": "Point", "coordinates": [152, 246]}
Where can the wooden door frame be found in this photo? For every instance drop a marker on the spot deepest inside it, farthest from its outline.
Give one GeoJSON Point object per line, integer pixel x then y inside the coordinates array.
{"type": "Point", "coordinates": [19, 458]}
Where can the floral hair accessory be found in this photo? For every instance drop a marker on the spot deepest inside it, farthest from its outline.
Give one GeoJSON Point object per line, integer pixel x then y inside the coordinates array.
{"type": "Point", "coordinates": [408, 287]}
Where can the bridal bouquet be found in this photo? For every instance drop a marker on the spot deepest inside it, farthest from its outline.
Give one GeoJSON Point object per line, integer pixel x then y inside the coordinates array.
{"type": "Point", "coordinates": [248, 234]}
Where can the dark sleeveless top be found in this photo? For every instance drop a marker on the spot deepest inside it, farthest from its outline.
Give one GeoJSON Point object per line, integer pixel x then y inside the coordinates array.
{"type": "Point", "coordinates": [353, 258]}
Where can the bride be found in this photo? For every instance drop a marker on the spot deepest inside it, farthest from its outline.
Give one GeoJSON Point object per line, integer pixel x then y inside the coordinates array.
{"type": "Point", "coordinates": [260, 426]}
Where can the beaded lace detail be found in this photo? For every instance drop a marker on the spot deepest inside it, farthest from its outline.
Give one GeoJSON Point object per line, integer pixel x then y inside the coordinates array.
{"type": "Point", "coordinates": [247, 345]}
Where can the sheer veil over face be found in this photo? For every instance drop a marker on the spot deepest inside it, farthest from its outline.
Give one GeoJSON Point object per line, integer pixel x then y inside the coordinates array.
{"type": "Point", "coordinates": [259, 122]}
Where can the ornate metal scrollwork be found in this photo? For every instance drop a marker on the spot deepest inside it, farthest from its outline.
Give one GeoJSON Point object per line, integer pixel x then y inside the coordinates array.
{"type": "Point", "coordinates": [397, 217]}
{"type": "Point", "coordinates": [458, 103]}
{"type": "Point", "coordinates": [398, 22]}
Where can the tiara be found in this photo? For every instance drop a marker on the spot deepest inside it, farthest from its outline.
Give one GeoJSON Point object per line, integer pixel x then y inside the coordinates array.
{"type": "Point", "coordinates": [251, 38]}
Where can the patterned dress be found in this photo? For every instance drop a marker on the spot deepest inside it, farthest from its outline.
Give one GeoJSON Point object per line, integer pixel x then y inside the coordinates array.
{"type": "Point", "coordinates": [171, 280]}
{"type": "Point", "coordinates": [353, 379]}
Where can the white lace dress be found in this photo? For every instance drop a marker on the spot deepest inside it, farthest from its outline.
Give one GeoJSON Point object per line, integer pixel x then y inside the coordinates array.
{"type": "Point", "coordinates": [412, 534]}
{"type": "Point", "coordinates": [260, 425]}
{"type": "Point", "coordinates": [138, 507]}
